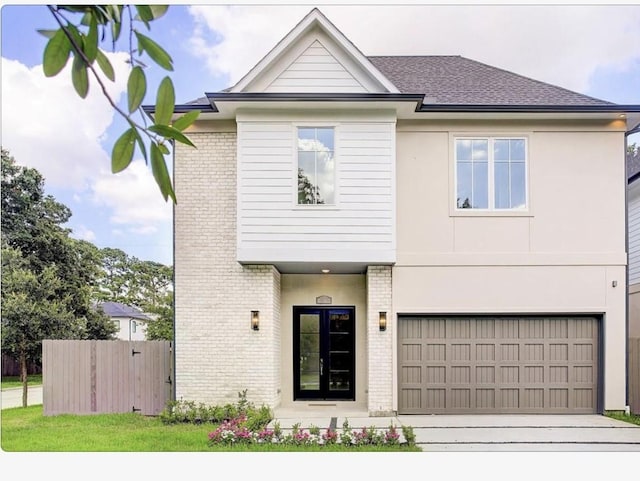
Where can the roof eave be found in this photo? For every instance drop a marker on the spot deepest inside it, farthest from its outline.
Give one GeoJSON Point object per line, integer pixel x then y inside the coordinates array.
{"type": "Point", "coordinates": [546, 108]}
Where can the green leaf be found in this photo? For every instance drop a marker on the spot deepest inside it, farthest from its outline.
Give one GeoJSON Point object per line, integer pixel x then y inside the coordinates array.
{"type": "Point", "coordinates": [46, 33]}
{"type": "Point", "coordinates": [91, 40]}
{"type": "Point", "coordinates": [75, 34]}
{"type": "Point", "coordinates": [171, 133]}
{"type": "Point", "coordinates": [105, 65]}
{"type": "Point", "coordinates": [158, 10]}
{"type": "Point", "coordinates": [136, 88]}
{"type": "Point", "coordinates": [141, 145]}
{"type": "Point", "coordinates": [79, 76]}
{"type": "Point", "coordinates": [56, 54]}
{"type": "Point", "coordinates": [160, 172]}
{"type": "Point", "coordinates": [165, 102]}
{"type": "Point", "coordinates": [115, 12]}
{"type": "Point", "coordinates": [155, 51]}
{"type": "Point", "coordinates": [185, 120]}
{"type": "Point", "coordinates": [164, 149]}
{"type": "Point", "coordinates": [144, 13]}
{"type": "Point", "coordinates": [122, 153]}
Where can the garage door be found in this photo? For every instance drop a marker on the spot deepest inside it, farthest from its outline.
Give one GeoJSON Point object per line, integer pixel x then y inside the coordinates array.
{"type": "Point", "coordinates": [482, 364]}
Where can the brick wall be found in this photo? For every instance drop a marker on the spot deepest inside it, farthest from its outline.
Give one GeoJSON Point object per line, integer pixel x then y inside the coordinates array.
{"type": "Point", "coordinates": [217, 353]}
{"type": "Point", "coordinates": [380, 343]}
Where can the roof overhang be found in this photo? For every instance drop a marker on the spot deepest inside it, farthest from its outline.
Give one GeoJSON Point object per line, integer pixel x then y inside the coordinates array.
{"type": "Point", "coordinates": [224, 105]}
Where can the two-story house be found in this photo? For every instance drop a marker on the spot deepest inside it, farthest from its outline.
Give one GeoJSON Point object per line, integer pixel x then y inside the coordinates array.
{"type": "Point", "coordinates": [411, 234]}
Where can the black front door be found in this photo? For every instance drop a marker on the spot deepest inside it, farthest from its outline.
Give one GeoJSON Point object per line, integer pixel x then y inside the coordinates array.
{"type": "Point", "coordinates": [324, 353]}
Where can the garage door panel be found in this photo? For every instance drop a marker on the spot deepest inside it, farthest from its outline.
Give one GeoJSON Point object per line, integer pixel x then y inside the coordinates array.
{"type": "Point", "coordinates": [498, 364]}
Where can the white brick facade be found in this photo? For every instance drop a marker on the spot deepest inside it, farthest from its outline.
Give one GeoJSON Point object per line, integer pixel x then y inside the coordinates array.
{"type": "Point", "coordinates": [380, 343]}
{"type": "Point", "coordinates": [217, 353]}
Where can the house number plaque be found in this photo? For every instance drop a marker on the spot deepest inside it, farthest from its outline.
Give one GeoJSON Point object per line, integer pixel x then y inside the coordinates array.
{"type": "Point", "coordinates": [323, 300]}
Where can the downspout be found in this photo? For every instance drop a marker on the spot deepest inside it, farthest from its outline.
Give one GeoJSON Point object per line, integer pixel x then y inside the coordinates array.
{"type": "Point", "coordinates": [634, 130]}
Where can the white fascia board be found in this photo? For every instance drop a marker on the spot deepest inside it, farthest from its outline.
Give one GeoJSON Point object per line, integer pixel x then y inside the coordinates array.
{"type": "Point", "coordinates": [315, 17]}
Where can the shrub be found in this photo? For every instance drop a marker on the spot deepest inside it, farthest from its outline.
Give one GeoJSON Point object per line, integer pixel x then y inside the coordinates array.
{"type": "Point", "coordinates": [409, 435]}
{"type": "Point", "coordinates": [189, 412]}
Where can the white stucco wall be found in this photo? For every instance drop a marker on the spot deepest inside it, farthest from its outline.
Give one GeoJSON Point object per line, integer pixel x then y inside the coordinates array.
{"type": "Point", "coordinates": [563, 255]}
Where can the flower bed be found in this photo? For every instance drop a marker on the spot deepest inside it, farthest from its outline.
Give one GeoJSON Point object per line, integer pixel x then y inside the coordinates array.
{"type": "Point", "coordinates": [234, 431]}
{"type": "Point", "coordinates": [243, 423]}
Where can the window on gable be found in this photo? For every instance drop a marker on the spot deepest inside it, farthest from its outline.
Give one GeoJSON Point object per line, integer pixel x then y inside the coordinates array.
{"type": "Point", "coordinates": [491, 173]}
{"type": "Point", "coordinates": [316, 165]}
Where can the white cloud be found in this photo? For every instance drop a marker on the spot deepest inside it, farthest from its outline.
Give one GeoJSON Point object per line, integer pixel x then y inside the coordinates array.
{"type": "Point", "coordinates": [134, 199]}
{"type": "Point", "coordinates": [46, 125]}
{"type": "Point", "coordinates": [562, 45]}
{"type": "Point", "coordinates": [83, 233]}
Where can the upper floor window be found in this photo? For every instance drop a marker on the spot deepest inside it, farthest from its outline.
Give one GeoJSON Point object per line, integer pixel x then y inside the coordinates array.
{"type": "Point", "coordinates": [491, 173]}
{"type": "Point", "coordinates": [316, 165]}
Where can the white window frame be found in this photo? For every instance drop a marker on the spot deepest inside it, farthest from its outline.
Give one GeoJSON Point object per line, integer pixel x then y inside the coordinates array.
{"type": "Point", "coordinates": [336, 194]}
{"type": "Point", "coordinates": [491, 210]}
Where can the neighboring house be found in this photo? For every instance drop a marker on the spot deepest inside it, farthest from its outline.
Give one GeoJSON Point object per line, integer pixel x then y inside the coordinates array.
{"type": "Point", "coordinates": [633, 201]}
{"type": "Point", "coordinates": [412, 234]}
{"type": "Point", "coordinates": [131, 322]}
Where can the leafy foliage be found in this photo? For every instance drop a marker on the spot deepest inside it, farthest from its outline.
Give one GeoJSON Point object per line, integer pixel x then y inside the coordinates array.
{"type": "Point", "coordinates": [144, 284]}
{"type": "Point", "coordinates": [81, 28]}
{"type": "Point", "coordinates": [47, 276]}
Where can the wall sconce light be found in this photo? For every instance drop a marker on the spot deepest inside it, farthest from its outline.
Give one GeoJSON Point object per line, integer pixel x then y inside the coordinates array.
{"type": "Point", "coordinates": [383, 321]}
{"type": "Point", "coordinates": [255, 320]}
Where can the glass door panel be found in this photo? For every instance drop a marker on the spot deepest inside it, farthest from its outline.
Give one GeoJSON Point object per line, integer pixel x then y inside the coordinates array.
{"type": "Point", "coordinates": [309, 352]}
{"type": "Point", "coordinates": [324, 353]}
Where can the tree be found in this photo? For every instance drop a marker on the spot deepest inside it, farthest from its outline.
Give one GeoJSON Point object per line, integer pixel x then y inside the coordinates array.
{"type": "Point", "coordinates": [115, 276]}
{"type": "Point", "coordinates": [47, 276]}
{"type": "Point", "coordinates": [81, 27]}
{"type": "Point", "coordinates": [32, 311]}
{"type": "Point", "coordinates": [161, 328]}
{"type": "Point", "coordinates": [633, 157]}
{"type": "Point", "coordinates": [308, 193]}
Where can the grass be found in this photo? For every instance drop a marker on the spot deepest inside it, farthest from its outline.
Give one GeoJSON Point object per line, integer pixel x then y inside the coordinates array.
{"type": "Point", "coordinates": [9, 382]}
{"type": "Point", "coordinates": [27, 430]}
{"type": "Point", "coordinates": [620, 416]}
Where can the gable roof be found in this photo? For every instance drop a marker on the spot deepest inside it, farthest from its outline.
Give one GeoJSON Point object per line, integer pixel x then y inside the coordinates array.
{"type": "Point", "coordinates": [461, 81]}
{"type": "Point", "coordinates": [315, 19]}
{"type": "Point", "coordinates": [117, 309]}
{"type": "Point", "coordinates": [431, 84]}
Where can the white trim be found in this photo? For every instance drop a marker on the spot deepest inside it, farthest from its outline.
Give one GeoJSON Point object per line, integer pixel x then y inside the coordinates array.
{"type": "Point", "coordinates": [313, 19]}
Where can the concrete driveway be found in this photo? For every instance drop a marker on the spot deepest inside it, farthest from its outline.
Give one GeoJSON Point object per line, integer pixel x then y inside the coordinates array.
{"type": "Point", "coordinates": [12, 398]}
{"type": "Point", "coordinates": [524, 433]}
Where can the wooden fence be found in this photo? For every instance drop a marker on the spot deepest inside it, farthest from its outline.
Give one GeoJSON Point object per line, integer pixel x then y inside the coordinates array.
{"type": "Point", "coordinates": [91, 377]}
{"type": "Point", "coordinates": [11, 367]}
{"type": "Point", "coordinates": [634, 375]}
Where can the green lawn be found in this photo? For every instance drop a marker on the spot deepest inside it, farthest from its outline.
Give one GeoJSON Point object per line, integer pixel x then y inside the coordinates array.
{"type": "Point", "coordinates": [9, 382]}
{"type": "Point", "coordinates": [631, 418]}
{"type": "Point", "coordinates": [27, 430]}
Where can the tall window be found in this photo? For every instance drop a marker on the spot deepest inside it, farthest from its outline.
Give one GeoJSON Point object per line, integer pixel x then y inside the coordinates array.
{"type": "Point", "coordinates": [316, 165]}
{"type": "Point", "coordinates": [491, 173]}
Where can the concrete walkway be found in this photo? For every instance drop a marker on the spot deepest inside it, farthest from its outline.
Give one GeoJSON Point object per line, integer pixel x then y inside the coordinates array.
{"type": "Point", "coordinates": [12, 398]}
{"type": "Point", "coordinates": [493, 432]}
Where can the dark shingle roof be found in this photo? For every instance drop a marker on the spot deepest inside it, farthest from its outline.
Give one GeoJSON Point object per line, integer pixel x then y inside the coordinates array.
{"type": "Point", "coordinates": [458, 80]}
{"type": "Point", "coordinates": [117, 309]}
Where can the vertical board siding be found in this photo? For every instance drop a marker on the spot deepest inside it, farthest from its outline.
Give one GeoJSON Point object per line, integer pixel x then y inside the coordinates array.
{"type": "Point", "coordinates": [316, 70]}
{"type": "Point", "coordinates": [634, 239]}
{"type": "Point", "coordinates": [269, 219]}
{"type": "Point", "coordinates": [91, 377]}
{"type": "Point", "coordinates": [634, 375]}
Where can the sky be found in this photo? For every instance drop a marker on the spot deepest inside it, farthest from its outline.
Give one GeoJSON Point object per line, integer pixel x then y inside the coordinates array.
{"type": "Point", "coordinates": [589, 48]}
